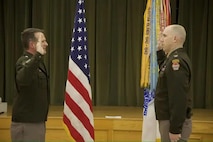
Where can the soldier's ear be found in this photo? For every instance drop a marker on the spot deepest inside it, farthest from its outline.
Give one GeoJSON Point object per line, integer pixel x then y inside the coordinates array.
{"type": "Point", "coordinates": [175, 39]}
{"type": "Point", "coordinates": [32, 44]}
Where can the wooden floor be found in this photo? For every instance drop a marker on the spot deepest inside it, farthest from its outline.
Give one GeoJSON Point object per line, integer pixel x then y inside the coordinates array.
{"type": "Point", "coordinates": [131, 112]}
{"type": "Point", "coordinates": [125, 124]}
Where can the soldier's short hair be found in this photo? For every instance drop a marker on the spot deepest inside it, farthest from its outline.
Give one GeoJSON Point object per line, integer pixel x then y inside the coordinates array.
{"type": "Point", "coordinates": [29, 35]}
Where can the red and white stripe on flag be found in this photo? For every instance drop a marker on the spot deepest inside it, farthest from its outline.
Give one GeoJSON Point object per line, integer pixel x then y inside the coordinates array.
{"type": "Point", "coordinates": [78, 113]}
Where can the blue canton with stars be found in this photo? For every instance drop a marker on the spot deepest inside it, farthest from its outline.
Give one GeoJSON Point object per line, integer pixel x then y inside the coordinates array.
{"type": "Point", "coordinates": [79, 50]}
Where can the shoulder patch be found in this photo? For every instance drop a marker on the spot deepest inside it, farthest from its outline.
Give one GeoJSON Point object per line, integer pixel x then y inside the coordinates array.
{"type": "Point", "coordinates": [175, 64]}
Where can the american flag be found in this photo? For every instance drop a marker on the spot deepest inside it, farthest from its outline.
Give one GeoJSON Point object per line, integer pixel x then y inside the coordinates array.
{"type": "Point", "coordinates": [78, 112]}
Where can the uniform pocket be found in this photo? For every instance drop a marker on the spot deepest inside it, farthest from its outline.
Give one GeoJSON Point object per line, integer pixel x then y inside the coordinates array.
{"type": "Point", "coordinates": [42, 79]}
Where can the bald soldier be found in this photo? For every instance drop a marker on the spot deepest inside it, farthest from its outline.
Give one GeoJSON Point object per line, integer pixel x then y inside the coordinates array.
{"type": "Point", "coordinates": [172, 100]}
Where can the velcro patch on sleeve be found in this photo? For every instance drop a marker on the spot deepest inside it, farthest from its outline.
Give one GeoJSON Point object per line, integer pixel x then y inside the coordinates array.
{"type": "Point", "coordinates": [175, 64]}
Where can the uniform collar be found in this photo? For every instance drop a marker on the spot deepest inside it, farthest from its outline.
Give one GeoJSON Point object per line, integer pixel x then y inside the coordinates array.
{"type": "Point", "coordinates": [180, 49]}
{"type": "Point", "coordinates": [28, 54]}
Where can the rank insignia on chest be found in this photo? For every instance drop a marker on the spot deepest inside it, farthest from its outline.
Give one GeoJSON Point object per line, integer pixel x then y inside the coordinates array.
{"type": "Point", "coordinates": [175, 64]}
{"type": "Point", "coordinates": [163, 69]}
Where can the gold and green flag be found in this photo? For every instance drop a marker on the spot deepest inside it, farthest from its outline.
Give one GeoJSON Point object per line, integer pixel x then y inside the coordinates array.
{"type": "Point", "coordinates": [156, 17]}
